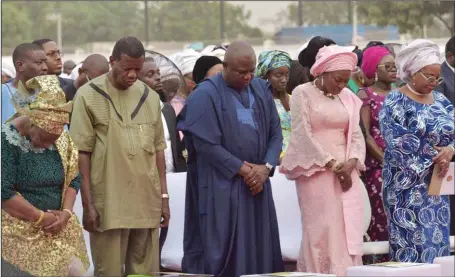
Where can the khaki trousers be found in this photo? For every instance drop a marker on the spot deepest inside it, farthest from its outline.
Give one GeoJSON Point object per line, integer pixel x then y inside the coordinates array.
{"type": "Point", "coordinates": [137, 249]}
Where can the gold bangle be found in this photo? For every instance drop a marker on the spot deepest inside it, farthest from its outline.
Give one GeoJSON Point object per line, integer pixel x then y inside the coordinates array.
{"type": "Point", "coordinates": [68, 211]}
{"type": "Point", "coordinates": [41, 217]}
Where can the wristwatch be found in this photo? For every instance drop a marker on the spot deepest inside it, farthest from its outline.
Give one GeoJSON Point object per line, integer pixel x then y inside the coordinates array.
{"type": "Point", "coordinates": [269, 166]}
{"type": "Point", "coordinates": [165, 196]}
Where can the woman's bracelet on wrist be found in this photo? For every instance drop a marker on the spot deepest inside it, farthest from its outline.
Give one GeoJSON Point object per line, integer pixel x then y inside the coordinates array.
{"type": "Point", "coordinates": [68, 211]}
{"type": "Point", "coordinates": [40, 219]}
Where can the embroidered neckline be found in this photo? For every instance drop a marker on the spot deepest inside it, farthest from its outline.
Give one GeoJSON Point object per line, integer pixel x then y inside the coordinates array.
{"type": "Point", "coordinates": [13, 137]}
{"type": "Point", "coordinates": [22, 98]}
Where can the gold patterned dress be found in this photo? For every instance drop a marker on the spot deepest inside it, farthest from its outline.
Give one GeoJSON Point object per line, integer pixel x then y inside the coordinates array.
{"type": "Point", "coordinates": [41, 176]}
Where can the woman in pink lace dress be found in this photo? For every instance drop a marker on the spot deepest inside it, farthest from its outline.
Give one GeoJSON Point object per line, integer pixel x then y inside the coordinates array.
{"type": "Point", "coordinates": [326, 151]}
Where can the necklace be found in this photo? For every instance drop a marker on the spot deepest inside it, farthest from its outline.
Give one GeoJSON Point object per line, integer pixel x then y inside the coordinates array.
{"type": "Point", "coordinates": [413, 91]}
{"type": "Point", "coordinates": [329, 95]}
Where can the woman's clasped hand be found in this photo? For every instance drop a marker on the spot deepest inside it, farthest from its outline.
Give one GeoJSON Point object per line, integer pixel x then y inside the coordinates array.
{"type": "Point", "coordinates": [54, 221]}
{"type": "Point", "coordinates": [443, 158]}
{"type": "Point", "coordinates": [343, 172]}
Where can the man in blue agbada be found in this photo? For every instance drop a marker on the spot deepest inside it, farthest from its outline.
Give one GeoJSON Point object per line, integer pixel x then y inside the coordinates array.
{"type": "Point", "coordinates": [233, 137]}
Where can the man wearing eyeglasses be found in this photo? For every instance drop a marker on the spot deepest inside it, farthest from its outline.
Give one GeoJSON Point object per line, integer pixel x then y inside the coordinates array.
{"type": "Point", "coordinates": [54, 62]}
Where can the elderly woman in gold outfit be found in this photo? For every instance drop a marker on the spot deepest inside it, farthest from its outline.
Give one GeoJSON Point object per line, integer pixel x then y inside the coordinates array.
{"type": "Point", "coordinates": [40, 234]}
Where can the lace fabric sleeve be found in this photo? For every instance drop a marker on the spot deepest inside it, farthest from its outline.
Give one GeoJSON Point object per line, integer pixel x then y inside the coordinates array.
{"type": "Point", "coordinates": [305, 155]}
{"type": "Point", "coordinates": [358, 148]}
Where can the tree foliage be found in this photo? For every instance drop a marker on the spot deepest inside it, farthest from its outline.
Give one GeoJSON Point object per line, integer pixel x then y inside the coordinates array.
{"type": "Point", "coordinates": [95, 21]}
{"type": "Point", "coordinates": [318, 13]}
{"type": "Point", "coordinates": [409, 16]}
{"type": "Point", "coordinates": [199, 21]}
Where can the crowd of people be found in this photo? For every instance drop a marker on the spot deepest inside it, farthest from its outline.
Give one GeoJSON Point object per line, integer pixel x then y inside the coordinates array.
{"type": "Point", "coordinates": [336, 119]}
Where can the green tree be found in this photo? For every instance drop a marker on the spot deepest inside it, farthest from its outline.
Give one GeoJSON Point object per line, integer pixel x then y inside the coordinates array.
{"type": "Point", "coordinates": [99, 21]}
{"type": "Point", "coordinates": [409, 16]}
{"type": "Point", "coordinates": [317, 13]}
{"type": "Point", "coordinates": [82, 22]}
{"type": "Point", "coordinates": [16, 26]}
{"type": "Point", "coordinates": [190, 21]}
{"type": "Point", "coordinates": [90, 21]}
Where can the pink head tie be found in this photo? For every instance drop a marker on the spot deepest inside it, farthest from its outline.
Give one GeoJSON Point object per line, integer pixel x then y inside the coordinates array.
{"type": "Point", "coordinates": [371, 59]}
{"type": "Point", "coordinates": [333, 58]}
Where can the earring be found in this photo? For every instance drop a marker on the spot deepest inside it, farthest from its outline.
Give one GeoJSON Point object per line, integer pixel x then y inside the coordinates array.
{"type": "Point", "coordinates": [322, 81]}
{"type": "Point", "coordinates": [376, 77]}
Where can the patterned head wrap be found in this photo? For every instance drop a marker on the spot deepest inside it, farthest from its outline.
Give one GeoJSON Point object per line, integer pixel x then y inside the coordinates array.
{"type": "Point", "coordinates": [333, 58]}
{"type": "Point", "coordinates": [371, 59]}
{"type": "Point", "coordinates": [49, 110]}
{"type": "Point", "coordinates": [271, 60]}
{"type": "Point", "coordinates": [415, 56]}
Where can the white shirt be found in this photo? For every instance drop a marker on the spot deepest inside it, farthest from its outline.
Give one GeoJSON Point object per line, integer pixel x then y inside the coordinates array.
{"type": "Point", "coordinates": [64, 75]}
{"type": "Point", "coordinates": [168, 152]}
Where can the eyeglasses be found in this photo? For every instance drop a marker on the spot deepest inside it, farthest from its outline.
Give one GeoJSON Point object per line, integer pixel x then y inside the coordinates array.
{"type": "Point", "coordinates": [389, 66]}
{"type": "Point", "coordinates": [431, 79]}
{"type": "Point", "coordinates": [55, 54]}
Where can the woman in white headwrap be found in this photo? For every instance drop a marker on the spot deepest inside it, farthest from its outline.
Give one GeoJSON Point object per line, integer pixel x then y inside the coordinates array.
{"type": "Point", "coordinates": [417, 124]}
{"type": "Point", "coordinates": [185, 61]}
{"type": "Point", "coordinates": [8, 72]}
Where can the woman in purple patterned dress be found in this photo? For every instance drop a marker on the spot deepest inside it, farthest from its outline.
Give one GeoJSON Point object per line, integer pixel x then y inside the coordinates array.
{"type": "Point", "coordinates": [378, 64]}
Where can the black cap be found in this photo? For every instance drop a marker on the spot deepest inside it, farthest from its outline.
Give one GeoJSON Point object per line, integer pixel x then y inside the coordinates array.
{"type": "Point", "coordinates": [308, 55]}
{"type": "Point", "coordinates": [202, 66]}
